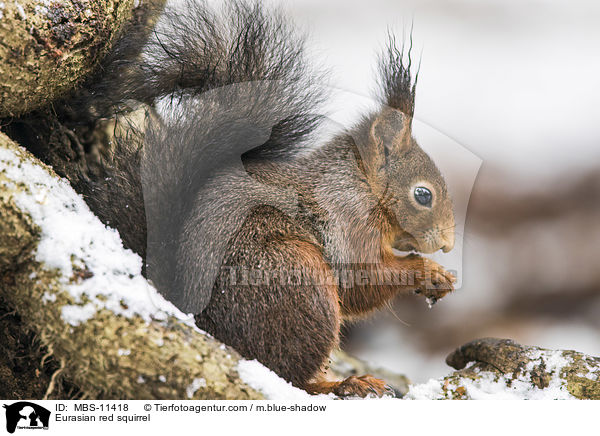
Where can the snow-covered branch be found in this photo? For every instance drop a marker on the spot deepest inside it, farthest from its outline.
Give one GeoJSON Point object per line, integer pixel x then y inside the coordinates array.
{"type": "Point", "coordinates": [74, 284]}
{"type": "Point", "coordinates": [497, 369]}
{"type": "Point", "coordinates": [114, 336]}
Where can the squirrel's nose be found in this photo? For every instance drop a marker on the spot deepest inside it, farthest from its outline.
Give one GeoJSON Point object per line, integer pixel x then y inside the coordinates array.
{"type": "Point", "coordinates": [448, 238]}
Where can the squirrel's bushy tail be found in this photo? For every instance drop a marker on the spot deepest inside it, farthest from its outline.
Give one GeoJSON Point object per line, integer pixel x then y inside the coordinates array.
{"type": "Point", "coordinates": [225, 83]}
{"type": "Point", "coordinates": [193, 48]}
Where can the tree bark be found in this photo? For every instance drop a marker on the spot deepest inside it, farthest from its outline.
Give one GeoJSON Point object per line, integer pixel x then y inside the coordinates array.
{"type": "Point", "coordinates": [47, 49]}
{"type": "Point", "coordinates": [109, 355]}
{"type": "Point", "coordinates": [580, 373]}
{"type": "Point", "coordinates": [501, 368]}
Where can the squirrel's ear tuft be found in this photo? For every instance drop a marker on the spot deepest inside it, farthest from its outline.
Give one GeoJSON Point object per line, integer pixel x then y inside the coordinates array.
{"type": "Point", "coordinates": [395, 77]}
{"type": "Point", "coordinates": [391, 130]}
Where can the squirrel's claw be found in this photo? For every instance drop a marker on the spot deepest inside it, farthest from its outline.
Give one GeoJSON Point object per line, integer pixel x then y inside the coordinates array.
{"type": "Point", "coordinates": [435, 282]}
{"type": "Point", "coordinates": [352, 386]}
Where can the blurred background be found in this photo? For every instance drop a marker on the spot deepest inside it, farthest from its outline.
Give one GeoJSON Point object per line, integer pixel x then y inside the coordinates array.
{"type": "Point", "coordinates": [513, 85]}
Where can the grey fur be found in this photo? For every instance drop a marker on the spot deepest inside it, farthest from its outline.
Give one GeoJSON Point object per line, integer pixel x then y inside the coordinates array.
{"type": "Point", "coordinates": [216, 186]}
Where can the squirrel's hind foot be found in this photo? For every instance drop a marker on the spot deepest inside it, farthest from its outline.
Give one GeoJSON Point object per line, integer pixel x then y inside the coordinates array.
{"type": "Point", "coordinates": [353, 386]}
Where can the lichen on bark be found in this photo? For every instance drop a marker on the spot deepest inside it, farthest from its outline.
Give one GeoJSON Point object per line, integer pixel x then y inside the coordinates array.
{"type": "Point", "coordinates": [47, 47]}
{"type": "Point", "coordinates": [494, 368]}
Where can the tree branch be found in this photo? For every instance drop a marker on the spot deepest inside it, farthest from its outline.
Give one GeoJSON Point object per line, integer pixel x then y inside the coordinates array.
{"type": "Point", "coordinates": [74, 285]}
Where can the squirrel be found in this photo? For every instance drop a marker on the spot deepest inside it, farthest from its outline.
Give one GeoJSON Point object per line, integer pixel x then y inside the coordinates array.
{"type": "Point", "coordinates": [270, 241]}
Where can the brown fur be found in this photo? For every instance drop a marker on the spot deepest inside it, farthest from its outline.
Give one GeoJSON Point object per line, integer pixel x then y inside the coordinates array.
{"type": "Point", "coordinates": [237, 221]}
{"type": "Point", "coordinates": [348, 221]}
{"type": "Point", "coordinates": [290, 327]}
{"type": "Point", "coordinates": [352, 386]}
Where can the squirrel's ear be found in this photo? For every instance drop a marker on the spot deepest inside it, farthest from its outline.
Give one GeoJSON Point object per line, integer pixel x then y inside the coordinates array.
{"type": "Point", "coordinates": [391, 131]}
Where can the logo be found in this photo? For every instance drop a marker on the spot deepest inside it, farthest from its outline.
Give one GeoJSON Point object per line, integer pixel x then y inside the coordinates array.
{"type": "Point", "coordinates": [26, 415]}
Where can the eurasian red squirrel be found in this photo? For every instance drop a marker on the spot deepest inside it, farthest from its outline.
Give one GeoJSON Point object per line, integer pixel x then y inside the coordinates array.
{"type": "Point", "coordinates": [270, 240]}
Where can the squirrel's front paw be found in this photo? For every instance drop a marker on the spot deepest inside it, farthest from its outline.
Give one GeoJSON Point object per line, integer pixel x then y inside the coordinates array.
{"type": "Point", "coordinates": [434, 281]}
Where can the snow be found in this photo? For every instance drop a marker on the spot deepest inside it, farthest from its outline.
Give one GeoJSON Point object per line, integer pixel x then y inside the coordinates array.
{"type": "Point", "coordinates": [75, 315]}
{"type": "Point", "coordinates": [430, 390]}
{"type": "Point", "coordinates": [488, 389]}
{"type": "Point", "coordinates": [197, 383]}
{"type": "Point", "coordinates": [491, 386]}
{"type": "Point", "coordinates": [71, 236]}
{"type": "Point", "coordinates": [21, 11]}
{"type": "Point", "coordinates": [592, 373]}
{"type": "Point", "coordinates": [273, 387]}
{"type": "Point", "coordinates": [41, 10]}
{"type": "Point", "coordinates": [47, 297]}
{"type": "Point", "coordinates": [73, 239]}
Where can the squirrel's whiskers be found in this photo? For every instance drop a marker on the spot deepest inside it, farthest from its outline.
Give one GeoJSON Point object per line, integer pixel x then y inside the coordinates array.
{"type": "Point", "coordinates": [220, 180]}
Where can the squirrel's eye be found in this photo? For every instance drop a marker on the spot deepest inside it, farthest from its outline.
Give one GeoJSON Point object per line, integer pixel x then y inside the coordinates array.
{"type": "Point", "coordinates": [423, 196]}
